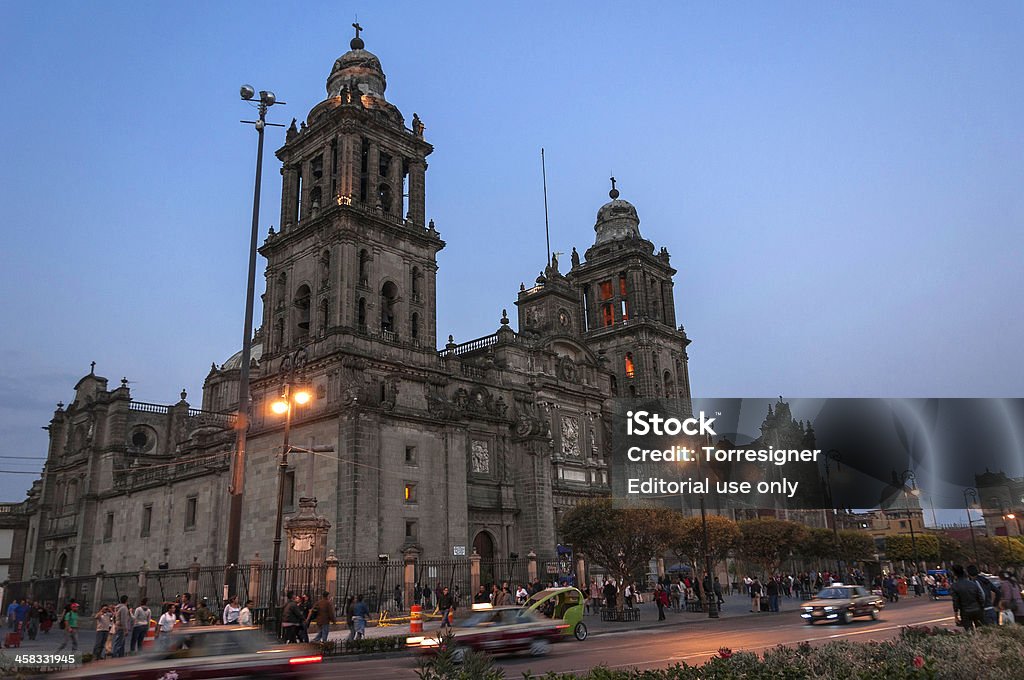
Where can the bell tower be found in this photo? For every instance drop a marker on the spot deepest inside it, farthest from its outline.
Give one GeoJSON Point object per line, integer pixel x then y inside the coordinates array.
{"type": "Point", "coordinates": [627, 307]}
{"type": "Point", "coordinates": [354, 255]}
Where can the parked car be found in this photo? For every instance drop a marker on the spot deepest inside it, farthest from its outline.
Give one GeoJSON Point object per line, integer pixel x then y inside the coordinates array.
{"type": "Point", "coordinates": [496, 630]}
{"type": "Point", "coordinates": [206, 652]}
{"type": "Point", "coordinates": [565, 604]}
{"type": "Point", "coordinates": [842, 603]}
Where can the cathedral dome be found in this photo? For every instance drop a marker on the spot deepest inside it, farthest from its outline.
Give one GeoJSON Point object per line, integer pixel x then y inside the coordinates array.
{"type": "Point", "coordinates": [234, 362]}
{"type": "Point", "coordinates": [616, 220]}
{"type": "Point", "coordinates": [359, 71]}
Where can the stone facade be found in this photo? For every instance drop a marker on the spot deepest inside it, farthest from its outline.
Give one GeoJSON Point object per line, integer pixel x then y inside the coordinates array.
{"type": "Point", "coordinates": [476, 446]}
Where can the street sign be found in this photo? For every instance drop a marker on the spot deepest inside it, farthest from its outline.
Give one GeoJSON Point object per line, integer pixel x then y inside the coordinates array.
{"type": "Point", "coordinates": [459, 550]}
{"type": "Point", "coordinates": [551, 567]}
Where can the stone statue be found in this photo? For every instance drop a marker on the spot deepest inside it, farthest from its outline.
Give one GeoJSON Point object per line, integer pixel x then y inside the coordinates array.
{"type": "Point", "coordinates": [575, 258]}
{"type": "Point", "coordinates": [417, 125]}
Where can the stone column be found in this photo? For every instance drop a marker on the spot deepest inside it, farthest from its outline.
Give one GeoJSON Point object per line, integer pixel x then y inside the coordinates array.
{"type": "Point", "coordinates": [331, 578]}
{"type": "Point", "coordinates": [306, 546]}
{"type": "Point", "coordinates": [396, 185]}
{"type": "Point", "coordinates": [581, 573]}
{"type": "Point", "coordinates": [417, 191]}
{"type": "Point", "coordinates": [62, 591]}
{"type": "Point", "coordinates": [531, 566]}
{"type": "Point", "coordinates": [287, 196]}
{"type": "Point", "coordinates": [661, 567]}
{"type": "Point", "coordinates": [474, 573]}
{"type": "Point", "coordinates": [410, 555]}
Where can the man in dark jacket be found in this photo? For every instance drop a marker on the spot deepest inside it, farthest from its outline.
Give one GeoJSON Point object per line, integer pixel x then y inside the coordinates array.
{"type": "Point", "coordinates": [968, 599]}
{"type": "Point", "coordinates": [323, 614]}
{"type": "Point", "coordinates": [446, 606]}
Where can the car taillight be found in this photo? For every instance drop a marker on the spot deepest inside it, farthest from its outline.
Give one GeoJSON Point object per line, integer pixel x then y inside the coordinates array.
{"type": "Point", "coordinates": [563, 626]}
{"type": "Point", "coordinates": [306, 659]}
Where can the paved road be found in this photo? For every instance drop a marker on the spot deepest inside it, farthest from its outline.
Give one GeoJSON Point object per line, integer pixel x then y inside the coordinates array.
{"type": "Point", "coordinates": [690, 642]}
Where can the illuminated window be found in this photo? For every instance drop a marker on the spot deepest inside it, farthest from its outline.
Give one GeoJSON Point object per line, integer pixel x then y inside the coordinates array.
{"type": "Point", "coordinates": [607, 315]}
{"type": "Point", "coordinates": [606, 290]}
{"type": "Point", "coordinates": [410, 492]}
{"type": "Point", "coordinates": [622, 284]}
{"type": "Point", "coordinates": [630, 369]}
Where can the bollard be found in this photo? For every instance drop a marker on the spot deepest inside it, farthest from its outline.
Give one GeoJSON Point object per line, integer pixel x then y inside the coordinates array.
{"type": "Point", "coordinates": [416, 619]}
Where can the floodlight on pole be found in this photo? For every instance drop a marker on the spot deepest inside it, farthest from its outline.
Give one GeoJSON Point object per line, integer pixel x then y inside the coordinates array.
{"type": "Point", "coordinates": [235, 489]}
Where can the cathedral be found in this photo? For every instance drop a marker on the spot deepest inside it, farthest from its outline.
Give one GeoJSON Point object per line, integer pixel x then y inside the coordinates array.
{"type": "Point", "coordinates": [404, 444]}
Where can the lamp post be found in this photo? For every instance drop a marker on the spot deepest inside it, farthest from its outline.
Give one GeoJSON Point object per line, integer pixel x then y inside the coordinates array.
{"type": "Point", "coordinates": [908, 476]}
{"type": "Point", "coordinates": [833, 456]}
{"type": "Point", "coordinates": [1006, 528]}
{"type": "Point", "coordinates": [971, 494]}
{"type": "Point", "coordinates": [266, 100]}
{"type": "Point", "coordinates": [284, 406]}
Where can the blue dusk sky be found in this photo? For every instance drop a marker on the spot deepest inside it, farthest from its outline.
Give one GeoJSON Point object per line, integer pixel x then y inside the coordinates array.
{"type": "Point", "coordinates": [840, 185]}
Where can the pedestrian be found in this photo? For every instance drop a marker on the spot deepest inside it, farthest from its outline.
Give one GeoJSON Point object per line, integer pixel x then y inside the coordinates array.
{"type": "Point", "coordinates": [165, 625]}
{"type": "Point", "coordinates": [231, 612]}
{"type": "Point", "coordinates": [968, 600]}
{"type": "Point", "coordinates": [70, 621]}
{"type": "Point", "coordinates": [349, 621]}
{"type": "Point", "coordinates": [104, 621]}
{"type": "Point", "coordinates": [481, 596]}
{"type": "Point", "coordinates": [1009, 592]}
{"type": "Point", "coordinates": [773, 594]}
{"type": "Point", "coordinates": [660, 599]}
{"type": "Point", "coordinates": [718, 592]}
{"type": "Point", "coordinates": [361, 612]}
{"type": "Point", "coordinates": [140, 625]}
{"type": "Point", "coordinates": [186, 609]}
{"type": "Point", "coordinates": [398, 598]}
{"type": "Point", "coordinates": [304, 608]}
{"type": "Point", "coordinates": [323, 614]}
{"type": "Point", "coordinates": [291, 618]}
{"type": "Point", "coordinates": [428, 596]}
{"type": "Point", "coordinates": [33, 620]}
{"type": "Point", "coordinates": [446, 605]}
{"type": "Point", "coordinates": [245, 614]}
{"type": "Point", "coordinates": [122, 626]}
{"type": "Point", "coordinates": [755, 595]}
{"type": "Point", "coordinates": [12, 614]}
{"type": "Point", "coordinates": [1006, 617]}
{"type": "Point", "coordinates": [522, 595]}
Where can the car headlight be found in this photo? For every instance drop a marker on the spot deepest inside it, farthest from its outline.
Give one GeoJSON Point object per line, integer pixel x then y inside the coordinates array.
{"type": "Point", "coordinates": [828, 609]}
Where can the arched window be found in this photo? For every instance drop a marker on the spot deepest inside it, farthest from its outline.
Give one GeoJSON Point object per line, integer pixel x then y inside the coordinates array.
{"type": "Point", "coordinates": [630, 368]}
{"type": "Point", "coordinates": [623, 299]}
{"type": "Point", "coordinates": [384, 196]}
{"type": "Point", "coordinates": [388, 304]}
{"type": "Point", "coordinates": [615, 386]}
{"type": "Point", "coordinates": [415, 284]}
{"type": "Point", "coordinates": [71, 493]}
{"type": "Point", "coordinates": [302, 304]}
{"type": "Point", "coordinates": [314, 201]}
{"type": "Point", "coordinates": [670, 387]}
{"type": "Point", "coordinates": [361, 314]}
{"type": "Point", "coordinates": [414, 331]}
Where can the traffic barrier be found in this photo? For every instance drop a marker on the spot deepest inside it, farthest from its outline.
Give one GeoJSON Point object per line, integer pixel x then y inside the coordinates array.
{"type": "Point", "coordinates": [150, 635]}
{"type": "Point", "coordinates": [416, 619]}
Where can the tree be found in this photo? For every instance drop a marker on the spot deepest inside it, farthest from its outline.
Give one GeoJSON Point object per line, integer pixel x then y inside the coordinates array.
{"type": "Point", "coordinates": [855, 546]}
{"type": "Point", "coordinates": [902, 547]}
{"type": "Point", "coordinates": [994, 551]}
{"type": "Point", "coordinates": [687, 540]}
{"type": "Point", "coordinates": [623, 540]}
{"type": "Point", "coordinates": [952, 550]}
{"type": "Point", "coordinates": [766, 542]}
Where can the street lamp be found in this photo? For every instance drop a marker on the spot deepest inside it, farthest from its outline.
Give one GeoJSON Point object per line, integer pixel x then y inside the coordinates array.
{"type": "Point", "coordinates": [971, 499]}
{"type": "Point", "coordinates": [833, 456]}
{"type": "Point", "coordinates": [908, 476]}
{"type": "Point", "coordinates": [290, 397]}
{"type": "Point", "coordinates": [1006, 527]}
{"type": "Point", "coordinates": [266, 100]}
